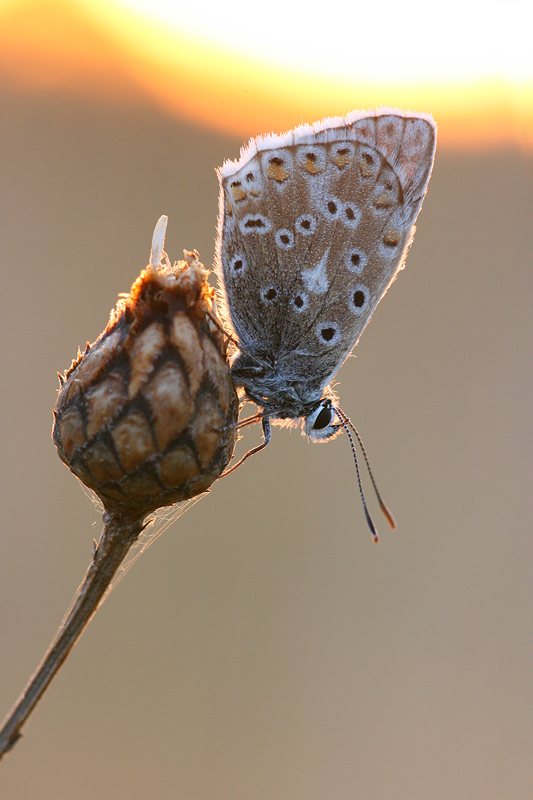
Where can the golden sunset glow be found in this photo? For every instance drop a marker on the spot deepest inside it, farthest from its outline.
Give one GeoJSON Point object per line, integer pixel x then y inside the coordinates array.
{"type": "Point", "coordinates": [254, 69]}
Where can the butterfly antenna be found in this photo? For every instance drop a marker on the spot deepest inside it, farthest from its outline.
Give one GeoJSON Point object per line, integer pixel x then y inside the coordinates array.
{"type": "Point", "coordinates": [369, 520]}
{"type": "Point", "coordinates": [347, 421]}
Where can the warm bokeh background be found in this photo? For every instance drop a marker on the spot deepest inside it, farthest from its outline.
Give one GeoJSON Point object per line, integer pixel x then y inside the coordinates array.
{"type": "Point", "coordinates": [263, 647]}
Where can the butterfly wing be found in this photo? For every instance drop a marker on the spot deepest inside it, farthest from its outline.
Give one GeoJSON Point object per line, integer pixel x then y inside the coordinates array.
{"type": "Point", "coordinates": [255, 248]}
{"type": "Point", "coordinates": [313, 228]}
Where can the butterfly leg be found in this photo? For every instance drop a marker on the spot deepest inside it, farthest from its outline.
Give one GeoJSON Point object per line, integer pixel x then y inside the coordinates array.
{"type": "Point", "coordinates": [249, 420]}
{"type": "Point", "coordinates": [267, 435]}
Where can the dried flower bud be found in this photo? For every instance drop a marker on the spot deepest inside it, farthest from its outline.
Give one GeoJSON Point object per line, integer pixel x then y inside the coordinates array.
{"type": "Point", "coordinates": [146, 415]}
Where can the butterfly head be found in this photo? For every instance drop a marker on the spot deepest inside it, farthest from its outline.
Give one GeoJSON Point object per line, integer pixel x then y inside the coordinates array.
{"type": "Point", "coordinates": [284, 401]}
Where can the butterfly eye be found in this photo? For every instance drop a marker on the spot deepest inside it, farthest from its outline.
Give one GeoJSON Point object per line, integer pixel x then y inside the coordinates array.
{"type": "Point", "coordinates": [324, 418]}
{"type": "Point", "coordinates": [319, 424]}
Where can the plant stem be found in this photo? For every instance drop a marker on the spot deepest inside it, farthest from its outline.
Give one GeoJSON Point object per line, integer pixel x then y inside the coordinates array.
{"type": "Point", "coordinates": [117, 538]}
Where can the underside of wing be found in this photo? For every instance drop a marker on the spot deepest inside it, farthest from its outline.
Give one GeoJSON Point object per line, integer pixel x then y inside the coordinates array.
{"type": "Point", "coordinates": [313, 227]}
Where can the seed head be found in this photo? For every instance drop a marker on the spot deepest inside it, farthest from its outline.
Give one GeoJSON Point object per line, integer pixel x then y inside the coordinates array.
{"type": "Point", "coordinates": [146, 415]}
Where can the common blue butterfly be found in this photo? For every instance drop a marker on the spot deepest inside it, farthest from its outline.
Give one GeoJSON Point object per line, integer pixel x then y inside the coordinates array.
{"type": "Point", "coordinates": [314, 225]}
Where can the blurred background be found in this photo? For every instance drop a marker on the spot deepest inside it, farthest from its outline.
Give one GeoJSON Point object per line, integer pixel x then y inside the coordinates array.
{"type": "Point", "coordinates": [264, 647]}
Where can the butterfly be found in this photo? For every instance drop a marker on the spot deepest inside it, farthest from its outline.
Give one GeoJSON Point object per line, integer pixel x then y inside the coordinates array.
{"type": "Point", "coordinates": [314, 225]}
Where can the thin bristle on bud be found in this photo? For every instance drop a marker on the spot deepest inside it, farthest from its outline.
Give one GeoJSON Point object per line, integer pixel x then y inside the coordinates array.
{"type": "Point", "coordinates": [158, 242]}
